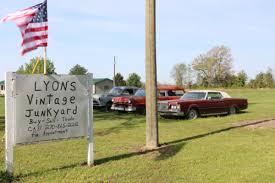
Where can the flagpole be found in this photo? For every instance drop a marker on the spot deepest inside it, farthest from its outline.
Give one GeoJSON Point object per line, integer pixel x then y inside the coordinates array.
{"type": "Point", "coordinates": [45, 60]}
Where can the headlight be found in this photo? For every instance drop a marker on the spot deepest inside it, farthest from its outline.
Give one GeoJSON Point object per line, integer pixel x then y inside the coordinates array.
{"type": "Point", "coordinates": [129, 101]}
{"type": "Point", "coordinates": [175, 107]}
{"type": "Point", "coordinates": [113, 100]}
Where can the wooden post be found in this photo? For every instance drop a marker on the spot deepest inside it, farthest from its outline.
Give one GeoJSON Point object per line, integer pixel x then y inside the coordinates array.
{"type": "Point", "coordinates": [90, 158]}
{"type": "Point", "coordinates": [151, 77]}
{"type": "Point", "coordinates": [45, 60]}
{"type": "Point", "coordinates": [9, 121]}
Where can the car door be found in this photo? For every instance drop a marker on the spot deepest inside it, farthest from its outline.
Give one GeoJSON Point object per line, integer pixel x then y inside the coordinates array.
{"type": "Point", "coordinates": [215, 103]}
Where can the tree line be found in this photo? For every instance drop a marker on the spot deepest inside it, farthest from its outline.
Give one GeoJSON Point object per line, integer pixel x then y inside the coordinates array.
{"type": "Point", "coordinates": [133, 79]}
{"type": "Point", "coordinates": [214, 69]}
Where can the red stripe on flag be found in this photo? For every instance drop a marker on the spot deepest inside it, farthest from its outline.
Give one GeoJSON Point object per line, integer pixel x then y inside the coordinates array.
{"type": "Point", "coordinates": [39, 29]}
{"type": "Point", "coordinates": [34, 38]}
{"type": "Point", "coordinates": [23, 52]}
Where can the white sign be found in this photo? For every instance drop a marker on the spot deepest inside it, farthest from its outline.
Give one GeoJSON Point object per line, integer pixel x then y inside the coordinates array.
{"type": "Point", "coordinates": [48, 107]}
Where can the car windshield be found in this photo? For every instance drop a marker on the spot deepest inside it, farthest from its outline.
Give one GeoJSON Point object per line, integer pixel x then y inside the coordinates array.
{"type": "Point", "coordinates": [193, 96]}
{"type": "Point", "coordinates": [115, 91]}
{"type": "Point", "coordinates": [140, 93]}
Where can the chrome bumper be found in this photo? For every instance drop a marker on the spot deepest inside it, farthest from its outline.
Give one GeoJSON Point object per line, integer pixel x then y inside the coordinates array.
{"type": "Point", "coordinates": [126, 109]}
{"type": "Point", "coordinates": [171, 113]}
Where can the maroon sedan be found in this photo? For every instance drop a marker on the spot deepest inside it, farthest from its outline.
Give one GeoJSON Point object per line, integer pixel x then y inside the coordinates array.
{"type": "Point", "coordinates": [202, 103]}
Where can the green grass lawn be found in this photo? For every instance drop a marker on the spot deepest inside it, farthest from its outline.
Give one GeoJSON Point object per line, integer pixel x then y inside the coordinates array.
{"type": "Point", "coordinates": [203, 150]}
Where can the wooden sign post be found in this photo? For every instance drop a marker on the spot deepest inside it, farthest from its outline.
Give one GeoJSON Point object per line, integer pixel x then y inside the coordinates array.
{"type": "Point", "coordinates": [46, 108]}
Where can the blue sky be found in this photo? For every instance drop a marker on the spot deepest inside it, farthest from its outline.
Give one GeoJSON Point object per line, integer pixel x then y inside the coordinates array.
{"type": "Point", "coordinates": [91, 32]}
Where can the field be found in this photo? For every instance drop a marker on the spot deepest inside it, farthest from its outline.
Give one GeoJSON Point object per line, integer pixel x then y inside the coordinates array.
{"type": "Point", "coordinates": [214, 149]}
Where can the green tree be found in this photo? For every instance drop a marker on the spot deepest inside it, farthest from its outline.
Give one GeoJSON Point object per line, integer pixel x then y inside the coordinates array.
{"type": "Point", "coordinates": [263, 80]}
{"type": "Point", "coordinates": [259, 80]}
{"type": "Point", "coordinates": [268, 79]}
{"type": "Point", "coordinates": [240, 79]}
{"type": "Point", "coordinates": [134, 80]}
{"type": "Point", "coordinates": [119, 80]}
{"type": "Point", "coordinates": [214, 67]}
{"type": "Point", "coordinates": [179, 73]}
{"type": "Point", "coordinates": [252, 83]}
{"type": "Point", "coordinates": [27, 68]}
{"type": "Point", "coordinates": [78, 70]}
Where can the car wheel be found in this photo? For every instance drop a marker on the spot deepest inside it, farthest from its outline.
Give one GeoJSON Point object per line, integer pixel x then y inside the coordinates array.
{"type": "Point", "coordinates": [192, 114]}
{"type": "Point", "coordinates": [108, 107]}
{"type": "Point", "coordinates": [233, 110]}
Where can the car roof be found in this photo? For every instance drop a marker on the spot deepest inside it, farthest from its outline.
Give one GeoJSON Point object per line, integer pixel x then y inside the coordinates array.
{"type": "Point", "coordinates": [205, 91]}
{"type": "Point", "coordinates": [224, 94]}
{"type": "Point", "coordinates": [126, 87]}
{"type": "Point", "coordinates": [170, 87]}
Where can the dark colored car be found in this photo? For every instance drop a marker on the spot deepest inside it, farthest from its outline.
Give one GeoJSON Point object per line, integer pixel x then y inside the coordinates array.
{"type": "Point", "coordinates": [202, 103]}
{"type": "Point", "coordinates": [105, 100]}
{"type": "Point", "coordinates": [138, 101]}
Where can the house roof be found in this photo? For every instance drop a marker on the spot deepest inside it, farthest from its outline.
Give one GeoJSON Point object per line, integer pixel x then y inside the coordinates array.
{"type": "Point", "coordinates": [2, 82]}
{"type": "Point", "coordinates": [99, 80]}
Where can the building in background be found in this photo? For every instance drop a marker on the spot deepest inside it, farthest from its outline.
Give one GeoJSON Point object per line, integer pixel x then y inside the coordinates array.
{"type": "Point", "coordinates": [102, 85]}
{"type": "Point", "coordinates": [2, 87]}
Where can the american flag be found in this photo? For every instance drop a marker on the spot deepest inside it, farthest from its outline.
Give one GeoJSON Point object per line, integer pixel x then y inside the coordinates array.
{"type": "Point", "coordinates": [33, 24]}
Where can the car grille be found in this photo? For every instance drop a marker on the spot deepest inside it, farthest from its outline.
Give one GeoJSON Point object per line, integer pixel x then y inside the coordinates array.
{"type": "Point", "coordinates": [163, 107]}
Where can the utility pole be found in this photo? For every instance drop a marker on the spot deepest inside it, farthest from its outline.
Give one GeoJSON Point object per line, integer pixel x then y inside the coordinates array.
{"type": "Point", "coordinates": [152, 140]}
{"type": "Point", "coordinates": [114, 81]}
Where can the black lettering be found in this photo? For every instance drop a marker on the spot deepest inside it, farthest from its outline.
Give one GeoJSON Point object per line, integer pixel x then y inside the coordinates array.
{"type": "Point", "coordinates": [72, 100]}
{"type": "Point", "coordinates": [29, 113]}
{"type": "Point", "coordinates": [75, 110]}
{"type": "Point", "coordinates": [55, 85]}
{"type": "Point", "coordinates": [42, 101]}
{"type": "Point", "coordinates": [56, 101]}
{"type": "Point", "coordinates": [35, 87]}
{"type": "Point", "coordinates": [46, 84]}
{"type": "Point", "coordinates": [56, 113]}
{"type": "Point", "coordinates": [73, 87]}
{"type": "Point", "coordinates": [64, 101]}
{"type": "Point", "coordinates": [36, 113]}
{"type": "Point", "coordinates": [49, 112]}
{"type": "Point", "coordinates": [50, 98]}
{"type": "Point", "coordinates": [43, 113]}
{"type": "Point", "coordinates": [31, 121]}
{"type": "Point", "coordinates": [30, 99]}
{"type": "Point", "coordinates": [64, 85]}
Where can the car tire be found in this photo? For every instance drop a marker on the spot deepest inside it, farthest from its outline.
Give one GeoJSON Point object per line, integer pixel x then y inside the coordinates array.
{"type": "Point", "coordinates": [192, 114]}
{"type": "Point", "coordinates": [108, 107]}
{"type": "Point", "coordinates": [233, 110]}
